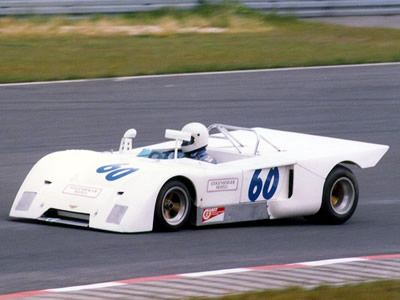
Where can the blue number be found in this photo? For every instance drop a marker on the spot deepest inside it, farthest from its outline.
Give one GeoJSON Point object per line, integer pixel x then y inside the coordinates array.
{"type": "Point", "coordinates": [270, 186]}
{"type": "Point", "coordinates": [255, 186]}
{"type": "Point", "coordinates": [115, 171]}
{"type": "Point", "coordinates": [269, 190]}
{"type": "Point", "coordinates": [109, 168]}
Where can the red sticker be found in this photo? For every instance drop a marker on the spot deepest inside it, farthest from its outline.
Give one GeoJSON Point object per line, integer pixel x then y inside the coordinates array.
{"type": "Point", "coordinates": [213, 214]}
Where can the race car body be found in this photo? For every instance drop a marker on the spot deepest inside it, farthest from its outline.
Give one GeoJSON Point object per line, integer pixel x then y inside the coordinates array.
{"type": "Point", "coordinates": [260, 174]}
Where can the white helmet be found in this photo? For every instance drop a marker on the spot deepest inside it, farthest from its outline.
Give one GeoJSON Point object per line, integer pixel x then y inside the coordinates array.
{"type": "Point", "coordinates": [199, 138]}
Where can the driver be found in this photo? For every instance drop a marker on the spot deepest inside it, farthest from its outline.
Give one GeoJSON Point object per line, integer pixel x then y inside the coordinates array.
{"type": "Point", "coordinates": [196, 147]}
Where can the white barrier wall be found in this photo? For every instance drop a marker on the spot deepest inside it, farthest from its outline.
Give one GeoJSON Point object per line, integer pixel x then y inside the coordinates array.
{"type": "Point", "coordinates": [301, 8]}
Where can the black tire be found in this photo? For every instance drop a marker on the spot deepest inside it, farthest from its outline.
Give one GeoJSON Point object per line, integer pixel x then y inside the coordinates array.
{"type": "Point", "coordinates": [172, 207]}
{"type": "Point", "coordinates": [339, 199]}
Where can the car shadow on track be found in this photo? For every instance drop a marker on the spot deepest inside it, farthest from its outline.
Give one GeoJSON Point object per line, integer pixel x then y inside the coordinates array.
{"type": "Point", "coordinates": [288, 222]}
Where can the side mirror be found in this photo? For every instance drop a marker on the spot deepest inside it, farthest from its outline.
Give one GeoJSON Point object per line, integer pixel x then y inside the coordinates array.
{"type": "Point", "coordinates": [178, 136]}
{"type": "Point", "coordinates": [127, 140]}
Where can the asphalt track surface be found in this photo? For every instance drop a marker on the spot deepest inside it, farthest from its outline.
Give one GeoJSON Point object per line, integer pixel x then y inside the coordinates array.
{"type": "Point", "coordinates": [360, 103]}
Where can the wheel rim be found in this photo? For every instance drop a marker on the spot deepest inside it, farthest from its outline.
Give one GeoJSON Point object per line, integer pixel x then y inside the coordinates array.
{"type": "Point", "coordinates": [342, 195]}
{"type": "Point", "coordinates": [175, 205]}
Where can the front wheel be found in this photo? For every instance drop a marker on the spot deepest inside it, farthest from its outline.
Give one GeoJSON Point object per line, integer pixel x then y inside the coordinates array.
{"type": "Point", "coordinates": [172, 207]}
{"type": "Point", "coordinates": [340, 197]}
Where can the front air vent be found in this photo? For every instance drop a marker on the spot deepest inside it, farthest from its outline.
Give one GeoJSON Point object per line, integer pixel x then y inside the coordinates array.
{"type": "Point", "coordinates": [65, 217]}
{"type": "Point", "coordinates": [116, 214]}
{"type": "Point", "coordinates": [25, 201]}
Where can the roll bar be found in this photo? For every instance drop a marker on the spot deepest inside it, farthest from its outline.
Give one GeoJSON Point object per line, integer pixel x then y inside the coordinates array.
{"type": "Point", "coordinates": [224, 129]}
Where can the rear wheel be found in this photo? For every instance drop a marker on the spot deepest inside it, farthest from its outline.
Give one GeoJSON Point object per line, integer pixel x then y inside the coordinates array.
{"type": "Point", "coordinates": [340, 197]}
{"type": "Point", "coordinates": [172, 207]}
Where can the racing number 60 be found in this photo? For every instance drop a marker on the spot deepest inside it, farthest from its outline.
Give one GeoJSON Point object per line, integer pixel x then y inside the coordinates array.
{"type": "Point", "coordinates": [268, 188]}
{"type": "Point", "coordinates": [115, 171]}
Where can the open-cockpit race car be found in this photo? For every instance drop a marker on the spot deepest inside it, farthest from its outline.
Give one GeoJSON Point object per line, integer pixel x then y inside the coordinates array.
{"type": "Point", "coordinates": [259, 174]}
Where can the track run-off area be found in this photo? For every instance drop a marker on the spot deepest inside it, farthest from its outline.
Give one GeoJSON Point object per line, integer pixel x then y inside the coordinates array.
{"type": "Point", "coordinates": [351, 102]}
{"type": "Point", "coordinates": [231, 281]}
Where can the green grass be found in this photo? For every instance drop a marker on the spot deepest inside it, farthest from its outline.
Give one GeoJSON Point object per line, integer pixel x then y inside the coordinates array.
{"type": "Point", "coordinates": [382, 290]}
{"type": "Point", "coordinates": [33, 49]}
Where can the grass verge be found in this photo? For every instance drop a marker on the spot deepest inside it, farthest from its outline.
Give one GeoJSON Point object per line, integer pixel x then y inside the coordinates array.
{"type": "Point", "coordinates": [383, 290]}
{"type": "Point", "coordinates": [209, 38]}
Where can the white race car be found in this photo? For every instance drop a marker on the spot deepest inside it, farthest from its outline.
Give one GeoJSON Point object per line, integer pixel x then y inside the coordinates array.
{"type": "Point", "coordinates": [260, 174]}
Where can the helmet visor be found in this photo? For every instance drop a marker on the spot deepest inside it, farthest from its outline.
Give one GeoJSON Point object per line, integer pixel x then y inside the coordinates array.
{"type": "Point", "coordinates": [187, 143]}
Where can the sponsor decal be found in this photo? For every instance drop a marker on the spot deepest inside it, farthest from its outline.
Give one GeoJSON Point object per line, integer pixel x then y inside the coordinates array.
{"type": "Point", "coordinates": [222, 185]}
{"type": "Point", "coordinates": [83, 191]}
{"type": "Point", "coordinates": [214, 214]}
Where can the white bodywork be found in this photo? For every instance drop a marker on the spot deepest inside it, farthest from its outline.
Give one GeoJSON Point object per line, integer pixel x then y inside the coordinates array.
{"type": "Point", "coordinates": [260, 174]}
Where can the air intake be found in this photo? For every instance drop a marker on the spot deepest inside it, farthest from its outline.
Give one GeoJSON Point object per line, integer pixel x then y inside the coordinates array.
{"type": "Point", "coordinates": [65, 217]}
